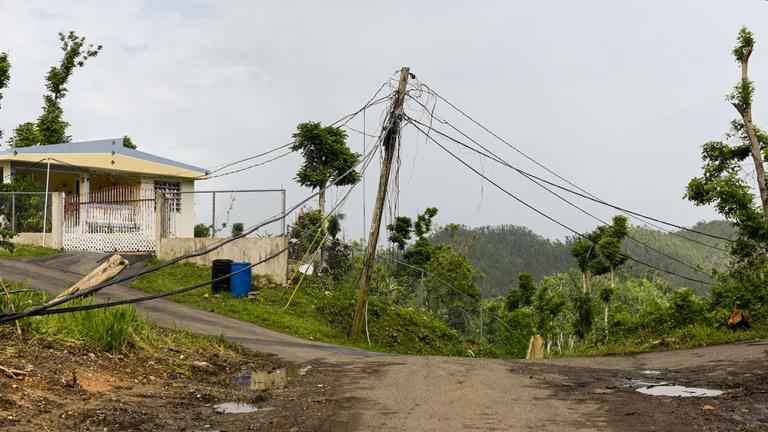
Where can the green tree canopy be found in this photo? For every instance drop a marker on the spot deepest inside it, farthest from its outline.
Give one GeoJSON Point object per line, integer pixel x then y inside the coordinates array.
{"type": "Point", "coordinates": [5, 76]}
{"type": "Point", "coordinates": [128, 142]}
{"type": "Point", "coordinates": [400, 231]}
{"type": "Point", "coordinates": [523, 294]}
{"type": "Point", "coordinates": [50, 127]}
{"type": "Point", "coordinates": [326, 158]}
{"type": "Point", "coordinates": [600, 251]}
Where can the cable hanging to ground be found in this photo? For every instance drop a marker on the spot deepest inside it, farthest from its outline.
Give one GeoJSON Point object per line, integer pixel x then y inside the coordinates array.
{"type": "Point", "coordinates": [498, 159]}
{"type": "Point", "coordinates": [530, 158]}
{"type": "Point", "coordinates": [597, 200]}
{"type": "Point", "coordinates": [548, 217]}
{"type": "Point", "coordinates": [203, 251]}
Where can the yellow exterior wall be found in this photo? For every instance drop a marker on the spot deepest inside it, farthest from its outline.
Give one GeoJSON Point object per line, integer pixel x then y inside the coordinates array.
{"type": "Point", "coordinates": [59, 181]}
{"type": "Point", "coordinates": [5, 169]}
{"type": "Point", "coordinates": [106, 180]}
{"type": "Point", "coordinates": [106, 162]}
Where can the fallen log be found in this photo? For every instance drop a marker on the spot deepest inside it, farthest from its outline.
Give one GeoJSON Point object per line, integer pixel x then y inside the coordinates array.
{"type": "Point", "coordinates": [104, 272]}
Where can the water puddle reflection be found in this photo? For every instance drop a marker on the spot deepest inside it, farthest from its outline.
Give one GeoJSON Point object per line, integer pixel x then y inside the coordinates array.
{"type": "Point", "coordinates": [658, 387]}
{"type": "Point", "coordinates": [266, 380]}
{"type": "Point", "coordinates": [237, 408]}
{"type": "Point", "coordinates": [664, 389]}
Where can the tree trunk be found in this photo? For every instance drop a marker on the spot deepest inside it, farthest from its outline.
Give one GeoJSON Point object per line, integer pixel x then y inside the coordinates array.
{"type": "Point", "coordinates": [605, 319]}
{"type": "Point", "coordinates": [613, 280]}
{"type": "Point", "coordinates": [757, 154]}
{"type": "Point", "coordinates": [584, 282]}
{"type": "Point", "coordinates": [321, 201]}
{"type": "Point", "coordinates": [321, 207]}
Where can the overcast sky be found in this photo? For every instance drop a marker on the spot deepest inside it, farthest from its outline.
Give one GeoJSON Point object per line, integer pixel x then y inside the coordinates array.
{"type": "Point", "coordinates": [617, 96]}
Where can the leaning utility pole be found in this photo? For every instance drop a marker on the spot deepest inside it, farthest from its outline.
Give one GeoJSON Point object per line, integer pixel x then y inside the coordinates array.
{"type": "Point", "coordinates": [390, 147]}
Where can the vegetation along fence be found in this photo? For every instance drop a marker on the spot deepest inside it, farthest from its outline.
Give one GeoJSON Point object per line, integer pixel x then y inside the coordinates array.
{"type": "Point", "coordinates": [219, 213]}
{"type": "Point", "coordinates": [24, 211]}
{"type": "Point", "coordinates": [337, 265]}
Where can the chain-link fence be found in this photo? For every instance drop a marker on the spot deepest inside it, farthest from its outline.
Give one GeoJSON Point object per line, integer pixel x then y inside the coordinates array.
{"type": "Point", "coordinates": [217, 213]}
{"type": "Point", "coordinates": [398, 283]}
{"type": "Point", "coordinates": [24, 212]}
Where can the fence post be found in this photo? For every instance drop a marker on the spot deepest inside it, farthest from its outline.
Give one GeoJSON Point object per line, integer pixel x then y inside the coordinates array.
{"type": "Point", "coordinates": [284, 215]}
{"type": "Point", "coordinates": [13, 212]}
{"type": "Point", "coordinates": [57, 219]}
{"type": "Point", "coordinates": [421, 290]}
{"type": "Point", "coordinates": [213, 215]}
{"type": "Point", "coordinates": [481, 321]}
{"type": "Point", "coordinates": [160, 211]}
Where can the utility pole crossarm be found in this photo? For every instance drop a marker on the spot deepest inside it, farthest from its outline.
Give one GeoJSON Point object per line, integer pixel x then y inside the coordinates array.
{"type": "Point", "coordinates": [390, 141]}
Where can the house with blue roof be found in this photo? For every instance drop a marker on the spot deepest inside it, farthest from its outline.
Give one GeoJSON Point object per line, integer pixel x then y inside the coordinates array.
{"type": "Point", "coordinates": [106, 173]}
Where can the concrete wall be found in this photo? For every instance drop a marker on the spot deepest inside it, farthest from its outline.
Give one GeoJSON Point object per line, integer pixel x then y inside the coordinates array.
{"type": "Point", "coordinates": [242, 250]}
{"type": "Point", "coordinates": [31, 238]}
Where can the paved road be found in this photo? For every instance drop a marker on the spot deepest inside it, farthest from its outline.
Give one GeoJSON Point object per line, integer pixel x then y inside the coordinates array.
{"type": "Point", "coordinates": [411, 393]}
{"type": "Point", "coordinates": [55, 273]}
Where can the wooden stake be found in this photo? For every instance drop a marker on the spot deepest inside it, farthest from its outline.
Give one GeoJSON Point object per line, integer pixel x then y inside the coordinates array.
{"type": "Point", "coordinates": [390, 147]}
{"type": "Point", "coordinates": [10, 303]}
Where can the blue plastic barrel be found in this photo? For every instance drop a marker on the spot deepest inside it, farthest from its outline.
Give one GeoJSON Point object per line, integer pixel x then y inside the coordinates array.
{"type": "Point", "coordinates": [240, 283]}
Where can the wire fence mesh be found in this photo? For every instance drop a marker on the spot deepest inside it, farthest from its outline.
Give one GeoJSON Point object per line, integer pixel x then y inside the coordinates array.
{"type": "Point", "coordinates": [394, 282]}
{"type": "Point", "coordinates": [24, 212]}
{"type": "Point", "coordinates": [221, 211]}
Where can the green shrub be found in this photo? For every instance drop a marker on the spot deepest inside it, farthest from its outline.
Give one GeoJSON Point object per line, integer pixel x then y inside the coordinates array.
{"type": "Point", "coordinates": [685, 308]}
{"type": "Point", "coordinates": [202, 231]}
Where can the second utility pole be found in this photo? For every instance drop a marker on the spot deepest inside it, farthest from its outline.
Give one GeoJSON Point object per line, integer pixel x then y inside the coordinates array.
{"type": "Point", "coordinates": [390, 142]}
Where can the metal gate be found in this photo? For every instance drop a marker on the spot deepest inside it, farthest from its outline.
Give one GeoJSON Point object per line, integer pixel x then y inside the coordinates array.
{"type": "Point", "coordinates": [118, 219]}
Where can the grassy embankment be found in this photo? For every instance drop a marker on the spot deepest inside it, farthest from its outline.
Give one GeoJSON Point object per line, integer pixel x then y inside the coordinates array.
{"type": "Point", "coordinates": [27, 250]}
{"type": "Point", "coordinates": [118, 330]}
{"type": "Point", "coordinates": [693, 336]}
{"type": "Point", "coordinates": [317, 313]}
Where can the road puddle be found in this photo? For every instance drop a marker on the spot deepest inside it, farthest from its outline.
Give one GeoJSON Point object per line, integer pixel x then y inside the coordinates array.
{"type": "Point", "coordinates": [664, 389]}
{"type": "Point", "coordinates": [238, 408]}
{"type": "Point", "coordinates": [267, 380]}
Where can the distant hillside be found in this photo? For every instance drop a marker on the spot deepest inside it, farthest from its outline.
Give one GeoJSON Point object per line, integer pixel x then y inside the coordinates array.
{"type": "Point", "coordinates": [503, 251]}
{"type": "Point", "coordinates": [674, 245]}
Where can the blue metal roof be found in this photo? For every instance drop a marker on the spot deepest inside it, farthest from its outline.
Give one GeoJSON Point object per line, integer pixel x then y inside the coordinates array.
{"type": "Point", "coordinates": [102, 146]}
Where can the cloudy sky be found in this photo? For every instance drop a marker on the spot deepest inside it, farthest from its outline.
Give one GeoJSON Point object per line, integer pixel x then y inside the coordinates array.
{"type": "Point", "coordinates": [617, 96]}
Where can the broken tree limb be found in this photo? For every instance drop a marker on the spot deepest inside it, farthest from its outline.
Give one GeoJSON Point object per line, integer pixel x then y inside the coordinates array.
{"type": "Point", "coordinates": [104, 272]}
{"type": "Point", "coordinates": [13, 373]}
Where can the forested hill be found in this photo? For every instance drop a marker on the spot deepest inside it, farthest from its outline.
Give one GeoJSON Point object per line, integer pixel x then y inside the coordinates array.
{"type": "Point", "coordinates": [503, 251]}
{"type": "Point", "coordinates": [673, 244]}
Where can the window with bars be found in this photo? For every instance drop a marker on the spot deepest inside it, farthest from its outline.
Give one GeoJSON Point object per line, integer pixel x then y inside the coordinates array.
{"type": "Point", "coordinates": [172, 193]}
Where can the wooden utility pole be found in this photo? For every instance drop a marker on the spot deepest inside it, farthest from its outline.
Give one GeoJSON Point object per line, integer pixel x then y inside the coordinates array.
{"type": "Point", "coordinates": [390, 148]}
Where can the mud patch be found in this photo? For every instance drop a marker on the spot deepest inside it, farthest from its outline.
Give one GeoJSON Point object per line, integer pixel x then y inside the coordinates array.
{"type": "Point", "coordinates": [743, 402]}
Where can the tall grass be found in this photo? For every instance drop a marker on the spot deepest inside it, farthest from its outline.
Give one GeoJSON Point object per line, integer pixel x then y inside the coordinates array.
{"type": "Point", "coordinates": [110, 329]}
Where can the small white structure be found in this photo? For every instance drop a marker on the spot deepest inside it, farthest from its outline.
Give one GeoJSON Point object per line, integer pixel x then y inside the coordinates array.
{"type": "Point", "coordinates": [110, 192]}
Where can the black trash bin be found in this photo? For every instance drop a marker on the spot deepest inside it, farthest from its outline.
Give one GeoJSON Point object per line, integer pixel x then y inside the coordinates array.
{"type": "Point", "coordinates": [219, 268]}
